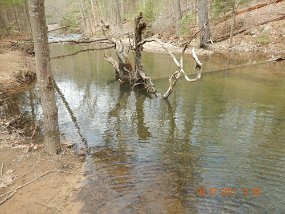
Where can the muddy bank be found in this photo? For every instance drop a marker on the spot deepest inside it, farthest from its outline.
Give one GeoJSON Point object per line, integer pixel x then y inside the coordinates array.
{"type": "Point", "coordinates": [16, 71]}
{"type": "Point", "coordinates": [33, 182]}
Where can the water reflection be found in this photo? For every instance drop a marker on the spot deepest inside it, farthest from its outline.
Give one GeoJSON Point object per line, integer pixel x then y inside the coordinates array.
{"type": "Point", "coordinates": [150, 155]}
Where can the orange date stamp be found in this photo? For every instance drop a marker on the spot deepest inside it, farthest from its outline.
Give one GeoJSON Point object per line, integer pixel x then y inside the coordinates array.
{"type": "Point", "coordinates": [228, 191]}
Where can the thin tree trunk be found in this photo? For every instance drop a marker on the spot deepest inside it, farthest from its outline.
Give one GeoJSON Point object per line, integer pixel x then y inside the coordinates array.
{"type": "Point", "coordinates": [27, 16]}
{"type": "Point", "coordinates": [44, 76]}
{"type": "Point", "coordinates": [203, 19]}
{"type": "Point", "coordinates": [93, 9]}
{"type": "Point", "coordinates": [233, 26]}
{"type": "Point", "coordinates": [118, 13]}
{"type": "Point", "coordinates": [18, 19]}
{"type": "Point", "coordinates": [178, 15]}
{"type": "Point", "coordinates": [87, 19]}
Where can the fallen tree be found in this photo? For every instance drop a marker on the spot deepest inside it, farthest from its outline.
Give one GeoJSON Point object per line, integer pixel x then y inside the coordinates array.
{"type": "Point", "coordinates": [135, 75]}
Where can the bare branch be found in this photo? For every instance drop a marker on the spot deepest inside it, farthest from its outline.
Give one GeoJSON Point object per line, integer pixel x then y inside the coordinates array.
{"type": "Point", "coordinates": [80, 51]}
{"type": "Point", "coordinates": [163, 46]}
{"type": "Point", "coordinates": [174, 77]}
{"type": "Point", "coordinates": [172, 82]}
{"type": "Point", "coordinates": [198, 67]}
{"type": "Point", "coordinates": [188, 43]}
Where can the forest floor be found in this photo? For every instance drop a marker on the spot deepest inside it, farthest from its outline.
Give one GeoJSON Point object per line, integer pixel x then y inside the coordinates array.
{"type": "Point", "coordinates": [260, 31]}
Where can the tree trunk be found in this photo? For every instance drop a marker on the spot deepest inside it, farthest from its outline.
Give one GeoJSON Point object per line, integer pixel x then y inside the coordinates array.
{"type": "Point", "coordinates": [178, 16]}
{"type": "Point", "coordinates": [118, 13]}
{"type": "Point", "coordinates": [203, 19]}
{"type": "Point", "coordinates": [27, 16]}
{"type": "Point", "coordinates": [93, 9]}
{"type": "Point", "coordinates": [18, 19]}
{"type": "Point", "coordinates": [85, 17]}
{"type": "Point", "coordinates": [179, 11]}
{"type": "Point", "coordinates": [44, 76]}
{"type": "Point", "coordinates": [233, 26]}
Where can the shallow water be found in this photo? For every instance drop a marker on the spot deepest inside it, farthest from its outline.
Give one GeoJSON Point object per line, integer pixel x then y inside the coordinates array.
{"type": "Point", "coordinates": [182, 155]}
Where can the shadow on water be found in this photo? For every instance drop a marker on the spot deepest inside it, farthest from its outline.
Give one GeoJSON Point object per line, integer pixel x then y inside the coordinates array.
{"type": "Point", "coordinates": [179, 155]}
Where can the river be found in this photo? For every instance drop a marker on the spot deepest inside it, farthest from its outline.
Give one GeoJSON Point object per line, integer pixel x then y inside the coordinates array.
{"type": "Point", "coordinates": [215, 146]}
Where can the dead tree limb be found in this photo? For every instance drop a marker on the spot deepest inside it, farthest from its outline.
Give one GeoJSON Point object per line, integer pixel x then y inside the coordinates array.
{"type": "Point", "coordinates": [174, 77]}
{"type": "Point", "coordinates": [80, 51]}
{"type": "Point", "coordinates": [80, 41]}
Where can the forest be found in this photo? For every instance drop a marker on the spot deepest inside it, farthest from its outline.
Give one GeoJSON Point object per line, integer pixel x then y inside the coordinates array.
{"type": "Point", "coordinates": [142, 106]}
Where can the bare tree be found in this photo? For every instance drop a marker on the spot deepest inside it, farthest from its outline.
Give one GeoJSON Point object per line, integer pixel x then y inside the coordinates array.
{"type": "Point", "coordinates": [178, 15]}
{"type": "Point", "coordinates": [203, 19]}
{"type": "Point", "coordinates": [135, 75]}
{"type": "Point", "coordinates": [118, 12]}
{"type": "Point", "coordinates": [44, 75]}
{"type": "Point", "coordinates": [233, 26]}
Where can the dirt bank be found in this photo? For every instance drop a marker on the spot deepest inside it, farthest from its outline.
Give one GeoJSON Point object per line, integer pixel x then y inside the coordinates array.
{"type": "Point", "coordinates": [16, 71]}
{"type": "Point", "coordinates": [37, 183]}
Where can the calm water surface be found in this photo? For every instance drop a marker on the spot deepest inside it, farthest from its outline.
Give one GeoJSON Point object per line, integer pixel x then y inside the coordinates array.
{"type": "Point", "coordinates": [182, 155]}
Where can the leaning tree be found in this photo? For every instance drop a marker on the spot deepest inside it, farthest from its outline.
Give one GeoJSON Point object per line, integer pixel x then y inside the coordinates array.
{"type": "Point", "coordinates": [134, 74]}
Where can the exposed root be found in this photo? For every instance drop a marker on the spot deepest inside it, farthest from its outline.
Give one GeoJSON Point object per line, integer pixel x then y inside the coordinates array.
{"type": "Point", "coordinates": [24, 77]}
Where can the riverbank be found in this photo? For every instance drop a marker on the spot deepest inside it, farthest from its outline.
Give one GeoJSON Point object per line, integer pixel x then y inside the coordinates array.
{"type": "Point", "coordinates": [33, 182]}
{"type": "Point", "coordinates": [30, 180]}
{"type": "Point", "coordinates": [17, 71]}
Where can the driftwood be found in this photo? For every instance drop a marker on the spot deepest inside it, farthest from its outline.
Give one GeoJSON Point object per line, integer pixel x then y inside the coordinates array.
{"type": "Point", "coordinates": [174, 77]}
{"type": "Point", "coordinates": [124, 71]}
